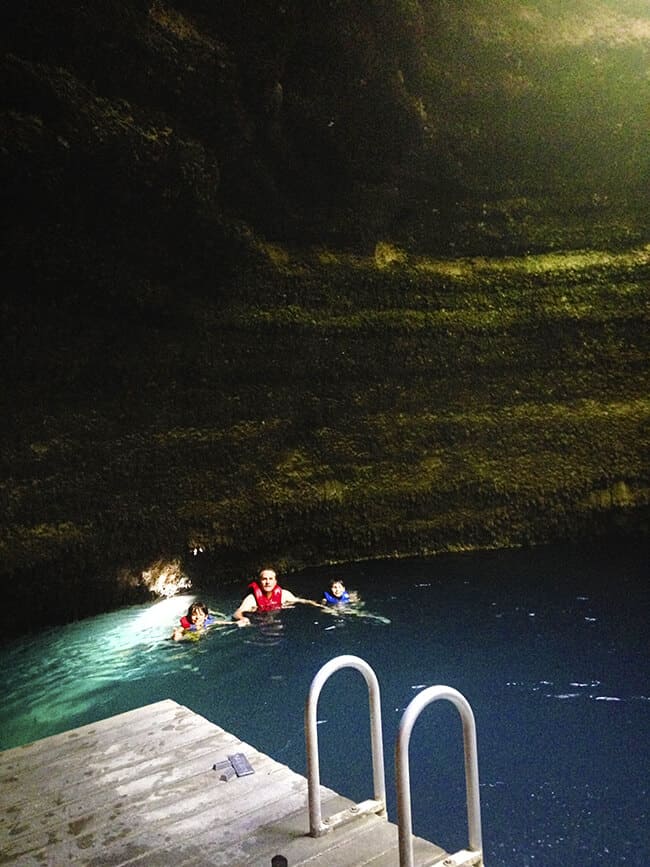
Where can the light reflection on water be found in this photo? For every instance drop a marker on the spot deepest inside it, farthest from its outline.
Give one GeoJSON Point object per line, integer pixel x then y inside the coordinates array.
{"type": "Point", "coordinates": [548, 646]}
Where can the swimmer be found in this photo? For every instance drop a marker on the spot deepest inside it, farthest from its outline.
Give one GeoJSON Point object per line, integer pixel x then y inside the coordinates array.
{"type": "Point", "coordinates": [337, 594]}
{"type": "Point", "coordinates": [197, 620]}
{"type": "Point", "coordinates": [338, 601]}
{"type": "Point", "coordinates": [266, 595]}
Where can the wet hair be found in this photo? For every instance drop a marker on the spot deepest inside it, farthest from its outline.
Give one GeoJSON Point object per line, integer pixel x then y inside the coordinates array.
{"type": "Point", "coordinates": [196, 607]}
{"type": "Point", "coordinates": [334, 581]}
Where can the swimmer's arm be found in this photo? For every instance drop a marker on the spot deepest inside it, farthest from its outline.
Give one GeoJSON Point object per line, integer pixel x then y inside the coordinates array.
{"type": "Point", "coordinates": [288, 598]}
{"type": "Point", "coordinates": [181, 634]}
{"type": "Point", "coordinates": [248, 605]}
{"type": "Point", "coordinates": [218, 621]}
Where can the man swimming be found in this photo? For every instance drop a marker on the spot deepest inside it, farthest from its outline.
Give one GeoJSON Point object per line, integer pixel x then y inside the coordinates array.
{"type": "Point", "coordinates": [266, 595]}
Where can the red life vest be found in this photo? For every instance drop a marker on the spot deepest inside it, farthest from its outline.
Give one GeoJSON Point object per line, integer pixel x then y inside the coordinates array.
{"type": "Point", "coordinates": [264, 603]}
{"type": "Point", "coordinates": [186, 623]}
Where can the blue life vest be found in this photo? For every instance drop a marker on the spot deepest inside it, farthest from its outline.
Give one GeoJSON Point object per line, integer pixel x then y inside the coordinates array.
{"type": "Point", "coordinates": [192, 627]}
{"type": "Point", "coordinates": [334, 600]}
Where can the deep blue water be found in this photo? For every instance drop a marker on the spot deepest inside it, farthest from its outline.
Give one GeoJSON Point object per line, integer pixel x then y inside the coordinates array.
{"type": "Point", "coordinates": [548, 645]}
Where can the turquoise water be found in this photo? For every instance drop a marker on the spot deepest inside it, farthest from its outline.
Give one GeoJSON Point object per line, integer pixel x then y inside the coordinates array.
{"type": "Point", "coordinates": [548, 645]}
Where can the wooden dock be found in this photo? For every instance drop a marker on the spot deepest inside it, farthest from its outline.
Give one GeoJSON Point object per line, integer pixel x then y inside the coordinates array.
{"type": "Point", "coordinates": [139, 789]}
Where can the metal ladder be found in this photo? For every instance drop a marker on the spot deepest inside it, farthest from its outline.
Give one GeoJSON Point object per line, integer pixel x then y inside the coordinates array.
{"type": "Point", "coordinates": [318, 826]}
{"type": "Point", "coordinates": [470, 857]}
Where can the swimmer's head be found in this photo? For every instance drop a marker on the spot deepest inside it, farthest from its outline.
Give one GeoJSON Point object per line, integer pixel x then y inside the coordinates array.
{"type": "Point", "coordinates": [337, 587]}
{"type": "Point", "coordinates": [267, 579]}
{"type": "Point", "coordinates": [197, 613]}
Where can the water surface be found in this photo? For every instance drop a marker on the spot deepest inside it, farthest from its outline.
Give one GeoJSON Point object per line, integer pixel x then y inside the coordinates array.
{"type": "Point", "coordinates": [548, 645]}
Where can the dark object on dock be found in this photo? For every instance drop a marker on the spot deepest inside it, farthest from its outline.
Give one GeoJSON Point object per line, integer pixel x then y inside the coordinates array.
{"type": "Point", "coordinates": [236, 764]}
{"type": "Point", "coordinates": [241, 764]}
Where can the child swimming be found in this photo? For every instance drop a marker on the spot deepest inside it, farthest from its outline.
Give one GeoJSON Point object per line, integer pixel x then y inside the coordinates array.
{"type": "Point", "coordinates": [338, 601]}
{"type": "Point", "coordinates": [337, 594]}
{"type": "Point", "coordinates": [197, 620]}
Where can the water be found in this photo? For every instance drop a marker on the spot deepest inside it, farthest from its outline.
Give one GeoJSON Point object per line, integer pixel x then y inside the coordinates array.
{"type": "Point", "coordinates": [549, 647]}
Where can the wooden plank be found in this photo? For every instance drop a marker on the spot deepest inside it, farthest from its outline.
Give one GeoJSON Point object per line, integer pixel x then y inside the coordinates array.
{"type": "Point", "coordinates": [39, 752]}
{"type": "Point", "coordinates": [209, 845]}
{"type": "Point", "coordinates": [139, 789]}
{"type": "Point", "coordinates": [97, 746]}
{"type": "Point", "coordinates": [165, 803]}
{"type": "Point", "coordinates": [349, 844]}
{"type": "Point", "coordinates": [84, 807]}
{"type": "Point", "coordinates": [188, 757]}
{"type": "Point", "coordinates": [171, 807]}
{"type": "Point", "coordinates": [181, 754]}
{"type": "Point", "coordinates": [366, 840]}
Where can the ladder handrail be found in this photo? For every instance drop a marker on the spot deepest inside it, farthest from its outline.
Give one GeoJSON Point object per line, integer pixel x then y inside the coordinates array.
{"type": "Point", "coordinates": [402, 777]}
{"type": "Point", "coordinates": [316, 825]}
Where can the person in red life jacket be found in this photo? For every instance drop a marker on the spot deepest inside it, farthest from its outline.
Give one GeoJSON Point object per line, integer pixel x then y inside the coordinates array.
{"type": "Point", "coordinates": [266, 595]}
{"type": "Point", "coordinates": [197, 619]}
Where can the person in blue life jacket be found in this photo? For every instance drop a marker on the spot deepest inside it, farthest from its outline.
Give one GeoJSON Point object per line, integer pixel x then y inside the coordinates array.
{"type": "Point", "coordinates": [197, 619]}
{"type": "Point", "coordinates": [337, 594]}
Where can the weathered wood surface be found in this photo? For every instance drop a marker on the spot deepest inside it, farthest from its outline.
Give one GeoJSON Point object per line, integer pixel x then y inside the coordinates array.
{"type": "Point", "coordinates": [139, 789]}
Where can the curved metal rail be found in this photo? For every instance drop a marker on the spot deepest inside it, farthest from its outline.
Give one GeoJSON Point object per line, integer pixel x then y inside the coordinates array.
{"type": "Point", "coordinates": [318, 826]}
{"type": "Point", "coordinates": [474, 853]}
